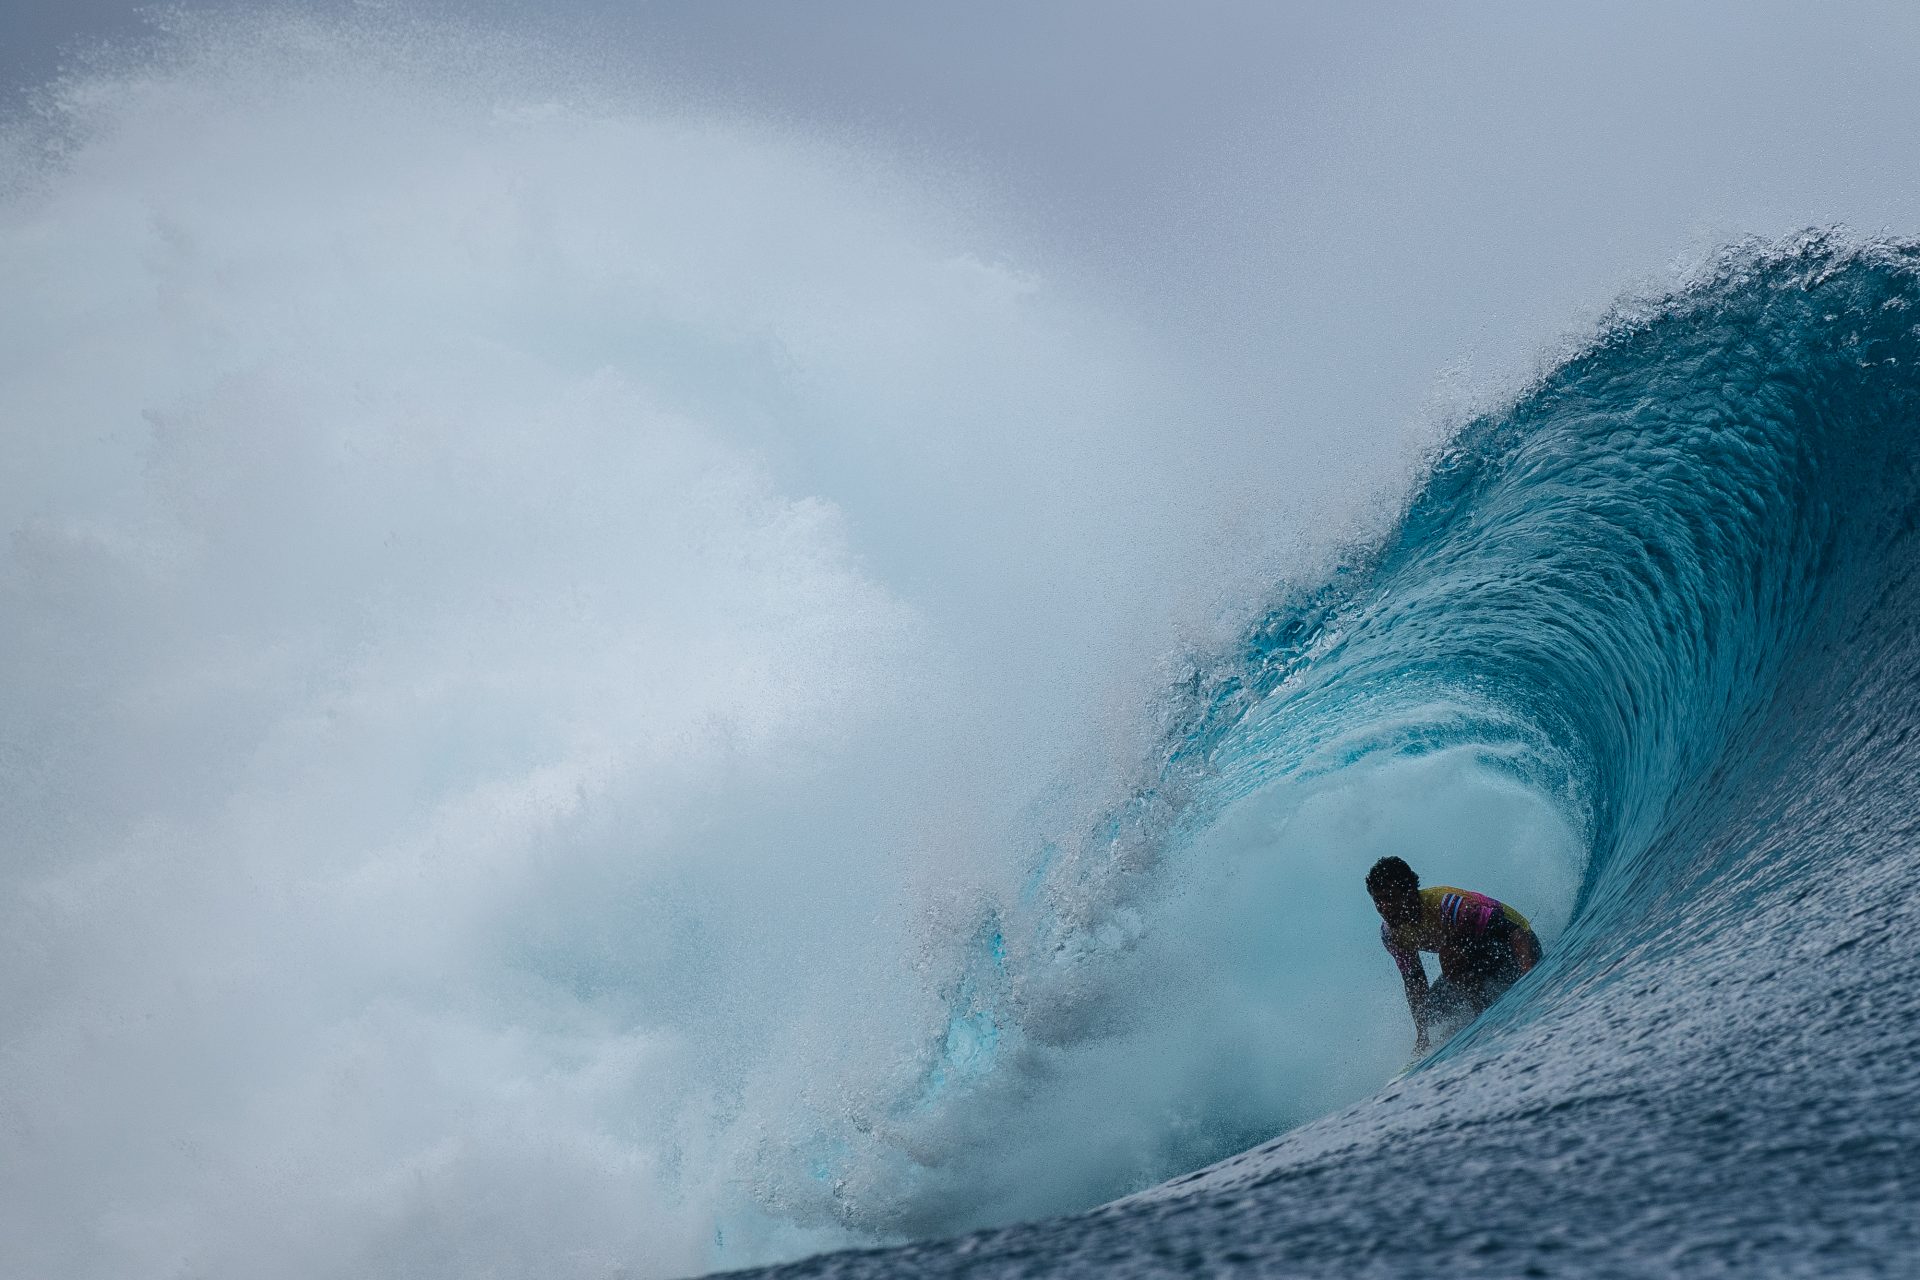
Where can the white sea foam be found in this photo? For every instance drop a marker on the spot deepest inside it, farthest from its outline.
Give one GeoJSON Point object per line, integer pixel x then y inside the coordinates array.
{"type": "Point", "coordinates": [536, 625]}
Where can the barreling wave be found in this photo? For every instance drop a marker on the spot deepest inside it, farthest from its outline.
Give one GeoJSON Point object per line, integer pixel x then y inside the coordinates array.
{"type": "Point", "coordinates": [1600, 584]}
{"type": "Point", "coordinates": [1598, 592]}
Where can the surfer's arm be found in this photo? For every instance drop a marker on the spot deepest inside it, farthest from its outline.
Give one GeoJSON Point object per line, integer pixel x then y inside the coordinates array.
{"type": "Point", "coordinates": [1416, 984]}
{"type": "Point", "coordinates": [1414, 978]}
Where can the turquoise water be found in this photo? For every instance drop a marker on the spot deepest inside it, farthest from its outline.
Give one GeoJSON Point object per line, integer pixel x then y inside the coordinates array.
{"type": "Point", "coordinates": [1673, 584]}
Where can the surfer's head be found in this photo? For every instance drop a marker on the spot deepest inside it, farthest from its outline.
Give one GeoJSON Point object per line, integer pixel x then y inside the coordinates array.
{"type": "Point", "coordinates": [1395, 889]}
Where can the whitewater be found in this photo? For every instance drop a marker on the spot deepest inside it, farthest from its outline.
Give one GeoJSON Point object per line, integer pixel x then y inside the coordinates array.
{"type": "Point", "coordinates": [594, 688]}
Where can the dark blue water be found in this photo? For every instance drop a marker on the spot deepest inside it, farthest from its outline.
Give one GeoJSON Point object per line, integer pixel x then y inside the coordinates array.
{"type": "Point", "coordinates": [1673, 586]}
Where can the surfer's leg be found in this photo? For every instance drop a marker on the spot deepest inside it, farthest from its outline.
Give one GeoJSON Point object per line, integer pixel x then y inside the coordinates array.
{"type": "Point", "coordinates": [1499, 970]}
{"type": "Point", "coordinates": [1446, 999]}
{"type": "Point", "coordinates": [1483, 974]}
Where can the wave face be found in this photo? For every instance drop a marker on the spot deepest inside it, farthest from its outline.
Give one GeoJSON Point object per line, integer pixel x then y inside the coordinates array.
{"type": "Point", "coordinates": [1675, 583]}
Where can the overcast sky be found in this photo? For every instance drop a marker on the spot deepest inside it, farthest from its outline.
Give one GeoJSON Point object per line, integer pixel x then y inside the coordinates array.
{"type": "Point", "coordinates": [1338, 203]}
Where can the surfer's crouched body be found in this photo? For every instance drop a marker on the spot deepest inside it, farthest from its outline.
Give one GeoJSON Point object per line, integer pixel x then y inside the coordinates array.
{"type": "Point", "coordinates": [1484, 945]}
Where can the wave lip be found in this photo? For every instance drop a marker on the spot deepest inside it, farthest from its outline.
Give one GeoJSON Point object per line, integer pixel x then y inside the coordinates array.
{"type": "Point", "coordinates": [1680, 571]}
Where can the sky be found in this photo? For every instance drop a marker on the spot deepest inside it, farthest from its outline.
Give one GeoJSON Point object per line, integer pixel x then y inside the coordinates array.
{"type": "Point", "coordinates": [1345, 206]}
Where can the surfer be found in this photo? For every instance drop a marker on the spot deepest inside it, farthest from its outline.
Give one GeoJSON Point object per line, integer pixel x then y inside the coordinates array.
{"type": "Point", "coordinates": [1484, 945]}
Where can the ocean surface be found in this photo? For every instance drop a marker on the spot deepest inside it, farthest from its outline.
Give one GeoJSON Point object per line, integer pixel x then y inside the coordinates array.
{"type": "Point", "coordinates": [1679, 575]}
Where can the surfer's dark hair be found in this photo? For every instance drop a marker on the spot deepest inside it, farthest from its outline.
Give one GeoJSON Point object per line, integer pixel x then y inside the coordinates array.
{"type": "Point", "coordinates": [1391, 877]}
